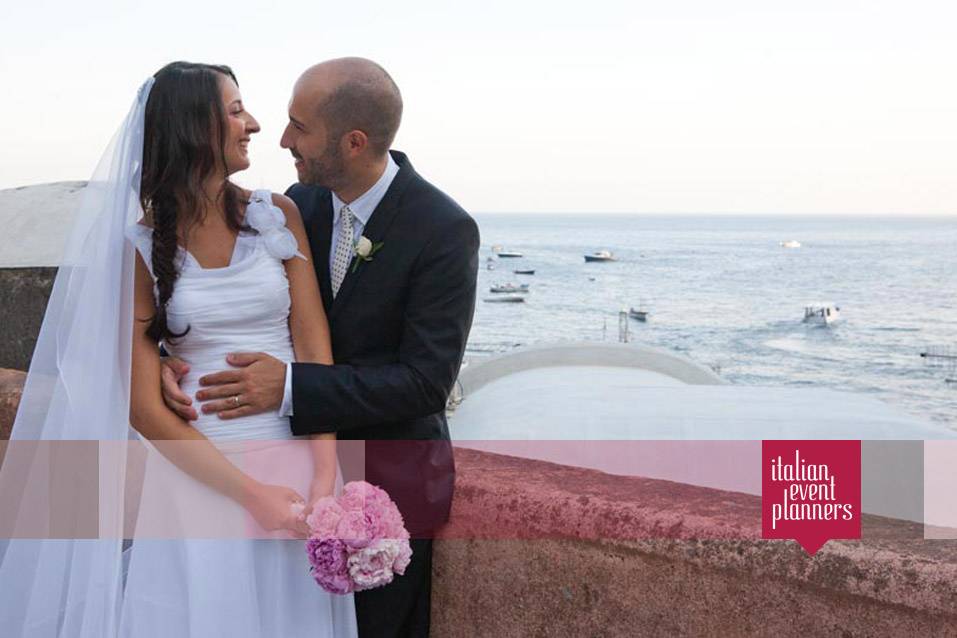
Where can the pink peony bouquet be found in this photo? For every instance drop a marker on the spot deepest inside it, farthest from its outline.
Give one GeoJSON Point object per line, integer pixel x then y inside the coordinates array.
{"type": "Point", "coordinates": [357, 541]}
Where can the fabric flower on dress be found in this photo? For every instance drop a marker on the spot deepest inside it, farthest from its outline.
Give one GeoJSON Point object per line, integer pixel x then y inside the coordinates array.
{"type": "Point", "coordinates": [270, 222]}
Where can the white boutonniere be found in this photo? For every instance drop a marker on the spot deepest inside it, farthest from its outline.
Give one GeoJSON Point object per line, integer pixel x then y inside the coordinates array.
{"type": "Point", "coordinates": [364, 250]}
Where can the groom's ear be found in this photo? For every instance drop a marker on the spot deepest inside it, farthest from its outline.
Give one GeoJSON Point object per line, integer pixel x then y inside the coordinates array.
{"type": "Point", "coordinates": [356, 142]}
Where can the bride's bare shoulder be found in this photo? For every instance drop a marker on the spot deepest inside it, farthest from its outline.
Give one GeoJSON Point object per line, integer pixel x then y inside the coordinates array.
{"type": "Point", "coordinates": [286, 205]}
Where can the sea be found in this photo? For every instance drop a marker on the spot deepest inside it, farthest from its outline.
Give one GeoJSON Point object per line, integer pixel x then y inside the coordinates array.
{"type": "Point", "coordinates": [722, 291]}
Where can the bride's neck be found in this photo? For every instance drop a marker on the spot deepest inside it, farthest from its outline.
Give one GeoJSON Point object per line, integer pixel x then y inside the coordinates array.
{"type": "Point", "coordinates": [212, 201]}
{"type": "Point", "coordinates": [213, 188]}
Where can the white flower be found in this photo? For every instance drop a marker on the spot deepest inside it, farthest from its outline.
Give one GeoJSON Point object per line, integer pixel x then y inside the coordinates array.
{"type": "Point", "coordinates": [262, 216]}
{"type": "Point", "coordinates": [364, 247]}
{"type": "Point", "coordinates": [297, 509]}
{"type": "Point", "coordinates": [280, 243]}
{"type": "Point", "coordinates": [371, 566]}
{"type": "Point", "coordinates": [363, 250]}
{"type": "Point", "coordinates": [270, 222]}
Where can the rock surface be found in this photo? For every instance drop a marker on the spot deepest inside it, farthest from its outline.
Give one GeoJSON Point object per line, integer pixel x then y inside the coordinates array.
{"type": "Point", "coordinates": [11, 386]}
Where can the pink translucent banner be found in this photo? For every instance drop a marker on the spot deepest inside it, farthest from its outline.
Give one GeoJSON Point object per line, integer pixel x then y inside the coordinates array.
{"type": "Point", "coordinates": [596, 490]}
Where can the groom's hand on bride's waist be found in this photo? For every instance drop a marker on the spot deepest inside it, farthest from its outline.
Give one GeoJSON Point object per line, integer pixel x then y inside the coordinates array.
{"type": "Point", "coordinates": [255, 386]}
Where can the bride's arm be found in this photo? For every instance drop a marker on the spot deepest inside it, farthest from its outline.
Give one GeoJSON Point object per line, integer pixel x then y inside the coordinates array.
{"type": "Point", "coordinates": [182, 444]}
{"type": "Point", "coordinates": [311, 337]}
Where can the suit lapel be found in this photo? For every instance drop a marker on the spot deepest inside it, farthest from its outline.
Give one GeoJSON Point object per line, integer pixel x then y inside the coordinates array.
{"type": "Point", "coordinates": [376, 229]}
{"type": "Point", "coordinates": [320, 239]}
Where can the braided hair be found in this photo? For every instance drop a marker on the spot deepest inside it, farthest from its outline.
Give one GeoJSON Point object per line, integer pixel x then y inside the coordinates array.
{"type": "Point", "coordinates": [184, 144]}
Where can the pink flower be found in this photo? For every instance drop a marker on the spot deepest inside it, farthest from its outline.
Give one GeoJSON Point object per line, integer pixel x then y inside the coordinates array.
{"type": "Point", "coordinates": [361, 495]}
{"type": "Point", "coordinates": [329, 562]}
{"type": "Point", "coordinates": [356, 528]}
{"type": "Point", "coordinates": [324, 519]}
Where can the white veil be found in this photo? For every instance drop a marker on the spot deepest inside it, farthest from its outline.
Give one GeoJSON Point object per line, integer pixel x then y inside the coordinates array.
{"type": "Point", "coordinates": [60, 573]}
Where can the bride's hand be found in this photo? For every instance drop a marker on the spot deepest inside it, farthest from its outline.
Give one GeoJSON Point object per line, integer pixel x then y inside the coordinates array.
{"type": "Point", "coordinates": [319, 488]}
{"type": "Point", "coordinates": [172, 372]}
{"type": "Point", "coordinates": [273, 507]}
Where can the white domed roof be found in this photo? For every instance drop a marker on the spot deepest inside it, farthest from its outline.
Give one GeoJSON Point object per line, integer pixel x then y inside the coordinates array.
{"type": "Point", "coordinates": [35, 221]}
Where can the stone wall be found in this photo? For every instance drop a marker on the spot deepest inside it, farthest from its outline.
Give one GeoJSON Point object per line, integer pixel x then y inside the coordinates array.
{"type": "Point", "coordinates": [25, 292]}
{"type": "Point", "coordinates": [537, 549]}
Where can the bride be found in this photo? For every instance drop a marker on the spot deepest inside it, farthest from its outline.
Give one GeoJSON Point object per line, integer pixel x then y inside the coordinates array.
{"type": "Point", "coordinates": [166, 250]}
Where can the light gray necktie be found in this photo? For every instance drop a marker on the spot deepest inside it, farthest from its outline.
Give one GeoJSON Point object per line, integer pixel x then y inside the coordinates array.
{"type": "Point", "coordinates": [344, 249]}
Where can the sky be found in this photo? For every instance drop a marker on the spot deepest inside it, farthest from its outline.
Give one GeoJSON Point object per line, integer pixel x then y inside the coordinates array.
{"type": "Point", "coordinates": [685, 106]}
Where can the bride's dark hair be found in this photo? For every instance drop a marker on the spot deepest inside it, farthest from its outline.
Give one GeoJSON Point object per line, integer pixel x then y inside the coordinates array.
{"type": "Point", "coordinates": [183, 145]}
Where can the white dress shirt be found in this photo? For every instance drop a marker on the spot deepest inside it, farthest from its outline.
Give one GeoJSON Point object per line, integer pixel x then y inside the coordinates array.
{"type": "Point", "coordinates": [362, 208]}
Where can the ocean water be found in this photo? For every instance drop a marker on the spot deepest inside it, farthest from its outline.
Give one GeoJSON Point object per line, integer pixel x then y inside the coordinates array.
{"type": "Point", "coordinates": [722, 291]}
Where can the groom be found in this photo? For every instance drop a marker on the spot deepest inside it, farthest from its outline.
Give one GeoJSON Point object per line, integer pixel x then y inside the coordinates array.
{"type": "Point", "coordinates": [399, 317]}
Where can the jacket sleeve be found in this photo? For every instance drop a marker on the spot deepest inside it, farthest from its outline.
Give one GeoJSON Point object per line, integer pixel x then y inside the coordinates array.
{"type": "Point", "coordinates": [440, 305]}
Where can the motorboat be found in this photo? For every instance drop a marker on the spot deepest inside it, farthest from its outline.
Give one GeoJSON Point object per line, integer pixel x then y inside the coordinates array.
{"type": "Point", "coordinates": [601, 255]}
{"type": "Point", "coordinates": [509, 299]}
{"type": "Point", "coordinates": [791, 243]}
{"type": "Point", "coordinates": [506, 254]}
{"type": "Point", "coordinates": [821, 314]}
{"type": "Point", "coordinates": [509, 288]}
{"type": "Point", "coordinates": [638, 314]}
{"type": "Point", "coordinates": [524, 272]}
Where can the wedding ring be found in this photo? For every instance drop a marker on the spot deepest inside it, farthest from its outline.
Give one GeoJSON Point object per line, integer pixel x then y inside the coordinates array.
{"type": "Point", "coordinates": [235, 400]}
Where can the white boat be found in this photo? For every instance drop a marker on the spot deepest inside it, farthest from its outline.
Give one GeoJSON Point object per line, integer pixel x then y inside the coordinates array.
{"type": "Point", "coordinates": [601, 255]}
{"type": "Point", "coordinates": [823, 314]}
{"type": "Point", "coordinates": [509, 288]}
{"type": "Point", "coordinates": [509, 299]}
{"type": "Point", "coordinates": [505, 254]}
{"type": "Point", "coordinates": [791, 243]}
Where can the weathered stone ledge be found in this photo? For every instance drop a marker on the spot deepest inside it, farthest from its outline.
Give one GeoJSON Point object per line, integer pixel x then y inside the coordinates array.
{"type": "Point", "coordinates": [546, 545]}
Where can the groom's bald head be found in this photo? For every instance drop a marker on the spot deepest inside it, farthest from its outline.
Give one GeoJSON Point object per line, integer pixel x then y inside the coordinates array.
{"type": "Point", "coordinates": [354, 94]}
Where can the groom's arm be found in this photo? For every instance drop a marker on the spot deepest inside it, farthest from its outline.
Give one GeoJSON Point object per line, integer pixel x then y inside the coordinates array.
{"type": "Point", "coordinates": [435, 328]}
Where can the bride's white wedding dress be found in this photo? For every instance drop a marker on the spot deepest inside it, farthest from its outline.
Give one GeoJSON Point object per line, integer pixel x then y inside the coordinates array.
{"type": "Point", "coordinates": [221, 586]}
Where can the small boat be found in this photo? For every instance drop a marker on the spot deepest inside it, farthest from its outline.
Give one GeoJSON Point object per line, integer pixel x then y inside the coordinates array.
{"type": "Point", "coordinates": [511, 299]}
{"type": "Point", "coordinates": [524, 272]}
{"type": "Point", "coordinates": [821, 314]}
{"type": "Point", "coordinates": [791, 243]}
{"type": "Point", "coordinates": [509, 288]}
{"type": "Point", "coordinates": [640, 315]}
{"type": "Point", "coordinates": [490, 266]}
{"type": "Point", "coordinates": [601, 255]}
{"type": "Point", "coordinates": [505, 254]}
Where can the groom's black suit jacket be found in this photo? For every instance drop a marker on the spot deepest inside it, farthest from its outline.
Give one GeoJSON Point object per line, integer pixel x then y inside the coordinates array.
{"type": "Point", "coordinates": [399, 327]}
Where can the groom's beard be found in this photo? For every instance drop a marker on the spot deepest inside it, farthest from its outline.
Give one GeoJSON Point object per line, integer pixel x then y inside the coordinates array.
{"type": "Point", "coordinates": [327, 170]}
